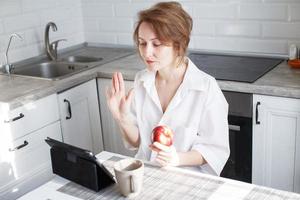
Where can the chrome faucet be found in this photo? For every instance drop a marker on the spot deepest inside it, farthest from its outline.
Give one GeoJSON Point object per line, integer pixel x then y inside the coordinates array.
{"type": "Point", "coordinates": [8, 67]}
{"type": "Point", "coordinates": [51, 48]}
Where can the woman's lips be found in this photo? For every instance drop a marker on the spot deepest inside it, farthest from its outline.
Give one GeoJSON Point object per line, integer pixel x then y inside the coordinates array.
{"type": "Point", "coordinates": [149, 61]}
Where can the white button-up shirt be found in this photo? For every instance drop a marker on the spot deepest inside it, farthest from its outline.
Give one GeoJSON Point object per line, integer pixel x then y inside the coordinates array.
{"type": "Point", "coordinates": [197, 114]}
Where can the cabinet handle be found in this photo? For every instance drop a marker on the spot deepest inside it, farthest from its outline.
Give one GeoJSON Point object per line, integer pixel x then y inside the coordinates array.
{"type": "Point", "coordinates": [21, 115]}
{"type": "Point", "coordinates": [256, 113]}
{"type": "Point", "coordinates": [19, 147]}
{"type": "Point", "coordinates": [234, 127]}
{"type": "Point", "coordinates": [69, 109]}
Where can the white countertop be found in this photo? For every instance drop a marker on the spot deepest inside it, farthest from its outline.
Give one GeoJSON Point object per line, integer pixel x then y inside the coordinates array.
{"type": "Point", "coordinates": [160, 183]}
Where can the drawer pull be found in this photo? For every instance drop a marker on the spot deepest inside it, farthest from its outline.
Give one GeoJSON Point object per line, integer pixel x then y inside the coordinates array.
{"type": "Point", "coordinates": [256, 113]}
{"type": "Point", "coordinates": [19, 147]}
{"type": "Point", "coordinates": [69, 109]}
{"type": "Point", "coordinates": [234, 127]}
{"type": "Point", "coordinates": [21, 115]}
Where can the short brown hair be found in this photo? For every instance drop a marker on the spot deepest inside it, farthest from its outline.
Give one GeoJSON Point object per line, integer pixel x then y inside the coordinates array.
{"type": "Point", "coordinates": [170, 22]}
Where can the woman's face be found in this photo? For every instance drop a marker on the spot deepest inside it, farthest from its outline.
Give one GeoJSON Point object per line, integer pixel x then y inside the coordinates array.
{"type": "Point", "coordinates": [155, 55]}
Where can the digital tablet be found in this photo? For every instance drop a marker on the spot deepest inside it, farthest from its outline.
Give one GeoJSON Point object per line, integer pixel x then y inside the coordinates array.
{"type": "Point", "coordinates": [78, 165]}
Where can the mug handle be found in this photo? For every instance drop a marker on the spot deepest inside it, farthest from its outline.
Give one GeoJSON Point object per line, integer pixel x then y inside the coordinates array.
{"type": "Point", "coordinates": [133, 186]}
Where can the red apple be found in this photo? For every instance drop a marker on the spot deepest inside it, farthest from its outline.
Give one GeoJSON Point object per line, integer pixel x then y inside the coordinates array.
{"type": "Point", "coordinates": [163, 135]}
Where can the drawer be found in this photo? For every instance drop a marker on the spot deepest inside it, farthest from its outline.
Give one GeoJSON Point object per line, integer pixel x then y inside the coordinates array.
{"type": "Point", "coordinates": [31, 116]}
{"type": "Point", "coordinates": [33, 156]}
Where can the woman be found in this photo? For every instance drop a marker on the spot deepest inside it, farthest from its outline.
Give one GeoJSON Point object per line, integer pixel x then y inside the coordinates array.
{"type": "Point", "coordinates": [171, 91]}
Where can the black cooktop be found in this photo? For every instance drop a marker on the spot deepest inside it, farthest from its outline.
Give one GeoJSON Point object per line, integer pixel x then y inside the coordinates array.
{"type": "Point", "coordinates": [234, 68]}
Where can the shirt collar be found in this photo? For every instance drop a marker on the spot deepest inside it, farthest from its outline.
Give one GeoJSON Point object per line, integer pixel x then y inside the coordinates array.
{"type": "Point", "coordinates": [194, 79]}
{"type": "Point", "coordinates": [147, 78]}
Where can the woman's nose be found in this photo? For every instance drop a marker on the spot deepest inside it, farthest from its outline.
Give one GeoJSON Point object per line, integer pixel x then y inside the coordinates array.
{"type": "Point", "coordinates": [148, 51]}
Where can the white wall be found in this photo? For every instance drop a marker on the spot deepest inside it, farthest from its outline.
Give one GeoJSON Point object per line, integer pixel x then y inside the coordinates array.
{"type": "Point", "coordinates": [29, 18]}
{"type": "Point", "coordinates": [261, 26]}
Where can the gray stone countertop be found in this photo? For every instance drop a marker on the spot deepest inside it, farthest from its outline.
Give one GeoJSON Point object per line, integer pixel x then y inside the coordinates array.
{"type": "Point", "coordinates": [16, 91]}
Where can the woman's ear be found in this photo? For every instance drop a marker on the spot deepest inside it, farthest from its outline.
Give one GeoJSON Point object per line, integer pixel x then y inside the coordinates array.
{"type": "Point", "coordinates": [176, 49]}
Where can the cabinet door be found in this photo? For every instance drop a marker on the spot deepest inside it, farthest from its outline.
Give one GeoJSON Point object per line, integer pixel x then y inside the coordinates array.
{"type": "Point", "coordinates": [276, 131]}
{"type": "Point", "coordinates": [80, 119]}
{"type": "Point", "coordinates": [25, 163]}
{"type": "Point", "coordinates": [111, 133]}
{"type": "Point", "coordinates": [28, 117]}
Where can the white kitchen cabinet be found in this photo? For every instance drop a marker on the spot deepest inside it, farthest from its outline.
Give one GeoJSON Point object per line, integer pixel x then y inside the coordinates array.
{"type": "Point", "coordinates": [276, 142]}
{"type": "Point", "coordinates": [24, 155]}
{"type": "Point", "coordinates": [111, 133]}
{"type": "Point", "coordinates": [80, 118]}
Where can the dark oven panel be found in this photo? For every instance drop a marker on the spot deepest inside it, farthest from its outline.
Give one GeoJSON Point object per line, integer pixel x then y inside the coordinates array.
{"type": "Point", "coordinates": [239, 164]}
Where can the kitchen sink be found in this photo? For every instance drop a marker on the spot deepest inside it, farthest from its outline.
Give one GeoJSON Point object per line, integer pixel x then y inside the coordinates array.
{"type": "Point", "coordinates": [81, 59]}
{"type": "Point", "coordinates": [69, 63]}
{"type": "Point", "coordinates": [50, 70]}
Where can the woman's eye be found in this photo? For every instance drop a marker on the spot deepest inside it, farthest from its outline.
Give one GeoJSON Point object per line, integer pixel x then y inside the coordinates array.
{"type": "Point", "coordinates": [156, 45]}
{"type": "Point", "coordinates": [142, 44]}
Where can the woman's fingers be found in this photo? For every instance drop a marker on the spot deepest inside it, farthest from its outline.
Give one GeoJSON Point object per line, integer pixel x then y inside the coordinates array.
{"type": "Point", "coordinates": [161, 162]}
{"type": "Point", "coordinates": [116, 94]}
{"type": "Point", "coordinates": [116, 84]}
{"type": "Point", "coordinates": [121, 82]}
{"type": "Point", "coordinates": [130, 96]}
{"type": "Point", "coordinates": [153, 148]}
{"type": "Point", "coordinates": [161, 147]}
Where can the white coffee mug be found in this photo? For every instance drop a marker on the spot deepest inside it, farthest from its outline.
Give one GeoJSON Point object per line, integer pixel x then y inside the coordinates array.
{"type": "Point", "coordinates": [129, 173]}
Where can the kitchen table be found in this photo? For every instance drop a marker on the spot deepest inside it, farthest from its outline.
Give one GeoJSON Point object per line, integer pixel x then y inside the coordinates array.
{"type": "Point", "coordinates": [160, 183]}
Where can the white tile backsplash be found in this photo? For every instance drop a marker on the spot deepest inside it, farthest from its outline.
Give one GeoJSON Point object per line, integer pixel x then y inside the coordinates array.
{"type": "Point", "coordinates": [215, 11]}
{"type": "Point", "coordinates": [1, 26]}
{"type": "Point", "coordinates": [10, 8]}
{"type": "Point", "coordinates": [241, 29]}
{"type": "Point", "coordinates": [21, 22]}
{"type": "Point", "coordinates": [116, 25]}
{"type": "Point", "coordinates": [125, 38]}
{"type": "Point", "coordinates": [258, 26]}
{"type": "Point", "coordinates": [33, 5]}
{"type": "Point", "coordinates": [96, 37]}
{"type": "Point", "coordinates": [240, 45]}
{"type": "Point", "coordinates": [29, 18]}
{"type": "Point", "coordinates": [203, 27]}
{"type": "Point", "coordinates": [98, 10]}
{"type": "Point", "coordinates": [263, 11]}
{"type": "Point", "coordinates": [281, 30]}
{"type": "Point", "coordinates": [91, 25]}
{"type": "Point", "coordinates": [129, 9]}
{"type": "Point", "coordinates": [294, 10]}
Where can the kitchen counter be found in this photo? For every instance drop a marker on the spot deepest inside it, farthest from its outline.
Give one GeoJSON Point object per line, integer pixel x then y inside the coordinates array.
{"type": "Point", "coordinates": [15, 90]}
{"type": "Point", "coordinates": [19, 90]}
{"type": "Point", "coordinates": [160, 183]}
{"type": "Point", "coordinates": [280, 81]}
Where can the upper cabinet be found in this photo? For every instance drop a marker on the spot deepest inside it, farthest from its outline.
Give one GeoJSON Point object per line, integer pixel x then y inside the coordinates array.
{"type": "Point", "coordinates": [24, 155]}
{"type": "Point", "coordinates": [111, 133]}
{"type": "Point", "coordinates": [276, 142]}
{"type": "Point", "coordinates": [80, 118]}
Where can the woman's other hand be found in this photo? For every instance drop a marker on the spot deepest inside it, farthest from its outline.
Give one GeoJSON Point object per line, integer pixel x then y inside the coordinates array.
{"type": "Point", "coordinates": [117, 100]}
{"type": "Point", "coordinates": [166, 155]}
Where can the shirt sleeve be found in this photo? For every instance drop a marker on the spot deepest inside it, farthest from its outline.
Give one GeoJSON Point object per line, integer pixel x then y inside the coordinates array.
{"type": "Point", "coordinates": [213, 139]}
